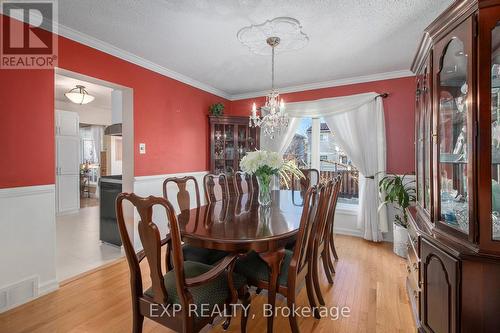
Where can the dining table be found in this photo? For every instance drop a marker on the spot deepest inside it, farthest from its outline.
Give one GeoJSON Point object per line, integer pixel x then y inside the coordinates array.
{"type": "Point", "coordinates": [238, 224]}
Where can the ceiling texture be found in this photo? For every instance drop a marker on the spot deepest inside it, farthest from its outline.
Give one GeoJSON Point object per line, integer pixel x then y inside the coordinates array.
{"type": "Point", "coordinates": [195, 40]}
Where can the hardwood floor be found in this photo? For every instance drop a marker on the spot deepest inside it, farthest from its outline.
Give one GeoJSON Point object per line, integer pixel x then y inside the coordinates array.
{"type": "Point", "coordinates": [370, 280]}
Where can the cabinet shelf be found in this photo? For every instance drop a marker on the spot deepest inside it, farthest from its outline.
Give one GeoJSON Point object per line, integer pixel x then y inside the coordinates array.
{"type": "Point", "coordinates": [237, 135]}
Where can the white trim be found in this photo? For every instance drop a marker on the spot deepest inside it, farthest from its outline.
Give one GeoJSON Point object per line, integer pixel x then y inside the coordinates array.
{"type": "Point", "coordinates": [26, 190]}
{"type": "Point", "coordinates": [348, 232]}
{"type": "Point", "coordinates": [165, 176]}
{"type": "Point", "coordinates": [346, 209]}
{"type": "Point", "coordinates": [47, 287]}
{"type": "Point", "coordinates": [132, 58]}
{"type": "Point", "coordinates": [100, 45]}
{"type": "Point", "coordinates": [105, 47]}
{"type": "Point", "coordinates": [329, 84]}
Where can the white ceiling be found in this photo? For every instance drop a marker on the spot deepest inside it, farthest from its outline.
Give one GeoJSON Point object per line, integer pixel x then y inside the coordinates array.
{"type": "Point", "coordinates": [197, 38]}
{"type": "Point", "coordinates": [102, 94]}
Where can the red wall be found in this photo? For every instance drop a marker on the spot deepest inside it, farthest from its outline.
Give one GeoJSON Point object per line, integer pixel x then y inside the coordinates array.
{"type": "Point", "coordinates": [169, 116]}
{"type": "Point", "coordinates": [399, 111]}
{"type": "Point", "coordinates": [26, 127]}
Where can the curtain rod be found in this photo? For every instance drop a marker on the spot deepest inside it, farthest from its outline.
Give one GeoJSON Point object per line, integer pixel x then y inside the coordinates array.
{"type": "Point", "coordinates": [383, 95]}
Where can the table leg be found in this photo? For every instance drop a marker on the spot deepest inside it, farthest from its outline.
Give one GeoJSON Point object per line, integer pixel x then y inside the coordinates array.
{"type": "Point", "coordinates": [273, 260]}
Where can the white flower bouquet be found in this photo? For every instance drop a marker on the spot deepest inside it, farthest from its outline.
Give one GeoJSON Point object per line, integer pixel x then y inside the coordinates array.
{"type": "Point", "coordinates": [265, 164]}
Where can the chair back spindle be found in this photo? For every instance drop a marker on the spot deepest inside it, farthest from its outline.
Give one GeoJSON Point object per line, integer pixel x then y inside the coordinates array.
{"type": "Point", "coordinates": [216, 187]}
{"type": "Point", "coordinates": [183, 195]}
{"type": "Point", "coordinates": [242, 183]}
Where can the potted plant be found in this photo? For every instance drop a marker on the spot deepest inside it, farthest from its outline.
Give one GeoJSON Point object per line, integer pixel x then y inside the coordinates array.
{"type": "Point", "coordinates": [216, 109]}
{"type": "Point", "coordinates": [401, 193]}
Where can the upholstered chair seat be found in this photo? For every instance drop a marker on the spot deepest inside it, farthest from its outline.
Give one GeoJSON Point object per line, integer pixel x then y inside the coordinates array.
{"type": "Point", "coordinates": [255, 269]}
{"type": "Point", "coordinates": [213, 293]}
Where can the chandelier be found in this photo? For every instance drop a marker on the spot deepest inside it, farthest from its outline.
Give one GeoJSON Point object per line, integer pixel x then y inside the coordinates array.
{"type": "Point", "coordinates": [272, 117]}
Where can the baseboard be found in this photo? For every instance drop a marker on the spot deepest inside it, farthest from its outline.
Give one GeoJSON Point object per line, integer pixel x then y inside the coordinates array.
{"type": "Point", "coordinates": [348, 232]}
{"type": "Point", "coordinates": [47, 287]}
{"type": "Point", "coordinates": [68, 212]}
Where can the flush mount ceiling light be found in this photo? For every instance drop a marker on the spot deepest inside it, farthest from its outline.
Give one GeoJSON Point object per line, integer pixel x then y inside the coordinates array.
{"type": "Point", "coordinates": [79, 95]}
{"type": "Point", "coordinates": [287, 29]}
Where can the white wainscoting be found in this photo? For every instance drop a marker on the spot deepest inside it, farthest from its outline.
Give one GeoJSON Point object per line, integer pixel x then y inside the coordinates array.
{"type": "Point", "coordinates": [27, 244]}
{"type": "Point", "coordinates": [346, 220]}
{"type": "Point", "coordinates": [153, 185]}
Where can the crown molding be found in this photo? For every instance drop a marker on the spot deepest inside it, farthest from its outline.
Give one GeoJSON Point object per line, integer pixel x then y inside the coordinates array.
{"type": "Point", "coordinates": [105, 47]}
{"type": "Point", "coordinates": [328, 84]}
{"type": "Point", "coordinates": [132, 58]}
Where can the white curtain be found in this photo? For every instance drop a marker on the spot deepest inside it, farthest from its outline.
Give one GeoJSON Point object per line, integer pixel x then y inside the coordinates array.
{"type": "Point", "coordinates": [357, 122]}
{"type": "Point", "coordinates": [280, 142]}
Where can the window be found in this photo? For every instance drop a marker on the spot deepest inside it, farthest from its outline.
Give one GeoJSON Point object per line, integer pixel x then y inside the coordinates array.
{"type": "Point", "coordinates": [314, 146]}
{"type": "Point", "coordinates": [299, 149]}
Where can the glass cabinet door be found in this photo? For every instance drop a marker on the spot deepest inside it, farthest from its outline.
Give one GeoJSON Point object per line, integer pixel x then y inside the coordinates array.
{"type": "Point", "coordinates": [427, 117]}
{"type": "Point", "coordinates": [495, 132]}
{"type": "Point", "coordinates": [453, 132]}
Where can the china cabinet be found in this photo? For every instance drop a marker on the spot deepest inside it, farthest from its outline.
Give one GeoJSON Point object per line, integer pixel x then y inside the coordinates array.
{"type": "Point", "coordinates": [230, 139]}
{"type": "Point", "coordinates": [454, 247]}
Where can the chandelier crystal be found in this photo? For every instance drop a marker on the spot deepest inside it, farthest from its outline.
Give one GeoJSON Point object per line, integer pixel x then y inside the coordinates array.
{"type": "Point", "coordinates": [272, 119]}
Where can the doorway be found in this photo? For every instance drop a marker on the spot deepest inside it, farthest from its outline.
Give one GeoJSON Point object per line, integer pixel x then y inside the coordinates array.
{"type": "Point", "coordinates": [92, 161]}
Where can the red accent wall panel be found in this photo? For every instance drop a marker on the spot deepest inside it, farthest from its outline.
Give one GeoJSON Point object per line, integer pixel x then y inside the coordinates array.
{"type": "Point", "coordinates": [26, 128]}
{"type": "Point", "coordinates": [169, 116]}
{"type": "Point", "coordinates": [399, 110]}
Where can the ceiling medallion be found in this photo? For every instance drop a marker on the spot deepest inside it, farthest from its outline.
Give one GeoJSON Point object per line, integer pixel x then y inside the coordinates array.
{"type": "Point", "coordinates": [287, 29]}
{"type": "Point", "coordinates": [282, 33]}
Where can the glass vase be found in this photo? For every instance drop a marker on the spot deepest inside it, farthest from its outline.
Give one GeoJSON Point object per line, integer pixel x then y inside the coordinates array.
{"type": "Point", "coordinates": [264, 182]}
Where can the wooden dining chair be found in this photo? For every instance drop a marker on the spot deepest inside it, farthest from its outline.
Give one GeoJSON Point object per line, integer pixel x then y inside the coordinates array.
{"type": "Point", "coordinates": [295, 266]}
{"type": "Point", "coordinates": [324, 238]}
{"type": "Point", "coordinates": [190, 284]}
{"type": "Point", "coordinates": [216, 187]}
{"type": "Point", "coordinates": [242, 183]}
{"type": "Point", "coordinates": [320, 241]}
{"type": "Point", "coordinates": [191, 253]}
{"type": "Point", "coordinates": [331, 241]}
{"type": "Point", "coordinates": [311, 178]}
